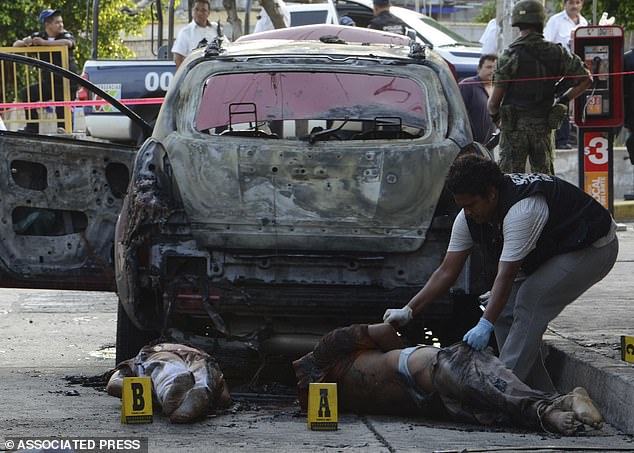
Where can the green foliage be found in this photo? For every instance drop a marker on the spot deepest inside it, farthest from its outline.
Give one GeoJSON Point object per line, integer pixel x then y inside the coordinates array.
{"type": "Point", "coordinates": [623, 11]}
{"type": "Point", "coordinates": [487, 12]}
{"type": "Point", "coordinates": [20, 18]}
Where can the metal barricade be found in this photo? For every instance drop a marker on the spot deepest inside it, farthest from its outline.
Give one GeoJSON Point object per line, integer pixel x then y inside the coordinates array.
{"type": "Point", "coordinates": [26, 84]}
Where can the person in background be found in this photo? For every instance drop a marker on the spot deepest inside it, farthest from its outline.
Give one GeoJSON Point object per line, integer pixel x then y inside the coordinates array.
{"type": "Point", "coordinates": [553, 242]}
{"type": "Point", "coordinates": [384, 20]}
{"type": "Point", "coordinates": [264, 22]}
{"type": "Point", "coordinates": [54, 34]}
{"type": "Point", "coordinates": [475, 93]}
{"type": "Point", "coordinates": [559, 29]}
{"type": "Point", "coordinates": [524, 97]}
{"type": "Point", "coordinates": [489, 38]}
{"type": "Point", "coordinates": [347, 20]}
{"type": "Point", "coordinates": [197, 31]}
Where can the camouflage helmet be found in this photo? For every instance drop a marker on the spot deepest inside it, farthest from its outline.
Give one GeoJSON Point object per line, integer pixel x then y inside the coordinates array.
{"type": "Point", "coordinates": [528, 12]}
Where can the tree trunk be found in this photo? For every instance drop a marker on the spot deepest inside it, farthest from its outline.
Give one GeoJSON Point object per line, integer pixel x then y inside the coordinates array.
{"type": "Point", "coordinates": [233, 19]}
{"type": "Point", "coordinates": [273, 10]}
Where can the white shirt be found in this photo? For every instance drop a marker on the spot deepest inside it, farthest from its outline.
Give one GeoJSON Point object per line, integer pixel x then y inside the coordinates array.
{"type": "Point", "coordinates": [559, 28]}
{"type": "Point", "coordinates": [264, 22]}
{"type": "Point", "coordinates": [189, 37]}
{"type": "Point", "coordinates": [522, 227]}
{"type": "Point", "coordinates": [489, 38]}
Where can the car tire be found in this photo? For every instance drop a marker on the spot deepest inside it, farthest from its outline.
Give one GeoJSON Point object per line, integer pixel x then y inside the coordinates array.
{"type": "Point", "coordinates": [130, 339]}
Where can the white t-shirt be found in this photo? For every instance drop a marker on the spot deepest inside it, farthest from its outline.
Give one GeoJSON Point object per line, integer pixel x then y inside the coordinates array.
{"type": "Point", "coordinates": [559, 28]}
{"type": "Point", "coordinates": [489, 38]}
{"type": "Point", "coordinates": [189, 37]}
{"type": "Point", "coordinates": [522, 227]}
{"type": "Point", "coordinates": [264, 22]}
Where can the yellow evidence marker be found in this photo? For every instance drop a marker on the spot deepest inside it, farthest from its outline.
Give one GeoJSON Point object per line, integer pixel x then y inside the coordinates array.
{"type": "Point", "coordinates": [136, 400]}
{"type": "Point", "coordinates": [627, 348]}
{"type": "Point", "coordinates": [322, 406]}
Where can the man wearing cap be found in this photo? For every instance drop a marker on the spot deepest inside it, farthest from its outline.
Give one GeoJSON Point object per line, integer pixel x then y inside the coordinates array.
{"type": "Point", "coordinates": [384, 20]}
{"type": "Point", "coordinates": [54, 34]}
{"type": "Point", "coordinates": [524, 97]}
{"type": "Point", "coordinates": [197, 31]}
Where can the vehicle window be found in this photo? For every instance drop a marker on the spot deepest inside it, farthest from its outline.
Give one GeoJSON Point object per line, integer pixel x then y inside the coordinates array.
{"type": "Point", "coordinates": [296, 104]}
{"type": "Point", "coordinates": [451, 37]}
{"type": "Point", "coordinates": [308, 17]}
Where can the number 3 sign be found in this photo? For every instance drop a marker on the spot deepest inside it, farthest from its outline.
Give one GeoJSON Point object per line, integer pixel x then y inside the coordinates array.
{"type": "Point", "coordinates": [596, 165]}
{"type": "Point", "coordinates": [596, 151]}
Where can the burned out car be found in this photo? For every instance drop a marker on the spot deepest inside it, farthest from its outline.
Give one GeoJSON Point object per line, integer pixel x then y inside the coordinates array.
{"type": "Point", "coordinates": [291, 187]}
{"type": "Point", "coordinates": [61, 195]}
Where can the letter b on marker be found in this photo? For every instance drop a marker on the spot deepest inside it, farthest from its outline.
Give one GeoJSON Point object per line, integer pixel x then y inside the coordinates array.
{"type": "Point", "coordinates": [137, 396]}
{"type": "Point", "coordinates": [136, 400]}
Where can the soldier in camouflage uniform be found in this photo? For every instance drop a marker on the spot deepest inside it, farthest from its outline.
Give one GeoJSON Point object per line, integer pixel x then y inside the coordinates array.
{"type": "Point", "coordinates": [527, 109]}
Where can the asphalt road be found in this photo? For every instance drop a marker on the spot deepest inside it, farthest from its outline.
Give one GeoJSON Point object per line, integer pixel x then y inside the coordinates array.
{"type": "Point", "coordinates": [51, 339]}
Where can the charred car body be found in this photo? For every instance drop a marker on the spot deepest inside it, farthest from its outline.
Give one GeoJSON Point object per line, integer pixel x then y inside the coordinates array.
{"type": "Point", "coordinates": [290, 187]}
{"type": "Point", "coordinates": [61, 199]}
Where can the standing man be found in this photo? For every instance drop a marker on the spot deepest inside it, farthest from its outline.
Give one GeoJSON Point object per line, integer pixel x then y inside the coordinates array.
{"type": "Point", "coordinates": [559, 29]}
{"type": "Point", "coordinates": [556, 242]}
{"type": "Point", "coordinates": [561, 26]}
{"type": "Point", "coordinates": [489, 38]}
{"type": "Point", "coordinates": [197, 30]}
{"type": "Point", "coordinates": [384, 20]}
{"type": "Point", "coordinates": [524, 92]}
{"type": "Point", "coordinates": [475, 93]}
{"type": "Point", "coordinates": [54, 34]}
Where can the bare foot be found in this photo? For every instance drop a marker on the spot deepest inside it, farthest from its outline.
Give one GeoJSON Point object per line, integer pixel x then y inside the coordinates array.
{"type": "Point", "coordinates": [579, 402]}
{"type": "Point", "coordinates": [561, 421]}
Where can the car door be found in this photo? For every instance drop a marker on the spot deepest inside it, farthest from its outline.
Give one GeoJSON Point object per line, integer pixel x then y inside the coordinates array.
{"type": "Point", "coordinates": [61, 197]}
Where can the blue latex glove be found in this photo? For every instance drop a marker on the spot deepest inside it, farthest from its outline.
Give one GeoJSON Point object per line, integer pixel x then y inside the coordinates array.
{"type": "Point", "coordinates": [478, 337]}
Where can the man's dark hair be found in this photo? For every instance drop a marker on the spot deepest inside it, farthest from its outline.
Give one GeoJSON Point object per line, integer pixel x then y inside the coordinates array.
{"type": "Point", "coordinates": [473, 174]}
{"type": "Point", "coordinates": [208, 2]}
{"type": "Point", "coordinates": [487, 57]}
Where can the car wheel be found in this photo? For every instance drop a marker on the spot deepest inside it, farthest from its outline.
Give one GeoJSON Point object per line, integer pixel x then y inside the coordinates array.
{"type": "Point", "coordinates": [130, 339]}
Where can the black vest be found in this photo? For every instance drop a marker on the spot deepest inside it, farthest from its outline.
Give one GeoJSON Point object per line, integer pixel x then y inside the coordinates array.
{"type": "Point", "coordinates": [575, 219]}
{"type": "Point", "coordinates": [387, 21]}
{"type": "Point", "coordinates": [535, 62]}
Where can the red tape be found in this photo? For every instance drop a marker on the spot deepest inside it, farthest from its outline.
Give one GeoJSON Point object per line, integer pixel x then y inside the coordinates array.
{"type": "Point", "coordinates": [96, 102]}
{"type": "Point", "coordinates": [530, 79]}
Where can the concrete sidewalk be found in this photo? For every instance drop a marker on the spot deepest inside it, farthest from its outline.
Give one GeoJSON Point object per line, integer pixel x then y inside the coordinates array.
{"type": "Point", "coordinates": [584, 340]}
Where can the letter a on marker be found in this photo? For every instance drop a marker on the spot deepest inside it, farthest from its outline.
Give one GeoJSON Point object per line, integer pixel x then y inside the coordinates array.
{"type": "Point", "coordinates": [324, 408]}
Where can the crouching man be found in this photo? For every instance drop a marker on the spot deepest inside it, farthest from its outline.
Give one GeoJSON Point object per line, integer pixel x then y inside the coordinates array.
{"type": "Point", "coordinates": [186, 382]}
{"type": "Point", "coordinates": [375, 373]}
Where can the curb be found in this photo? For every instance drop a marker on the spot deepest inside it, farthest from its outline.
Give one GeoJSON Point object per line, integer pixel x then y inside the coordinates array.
{"type": "Point", "coordinates": [624, 210]}
{"type": "Point", "coordinates": [609, 382]}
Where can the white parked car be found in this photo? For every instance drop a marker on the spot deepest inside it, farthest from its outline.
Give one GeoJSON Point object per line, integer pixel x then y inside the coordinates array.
{"type": "Point", "coordinates": [461, 55]}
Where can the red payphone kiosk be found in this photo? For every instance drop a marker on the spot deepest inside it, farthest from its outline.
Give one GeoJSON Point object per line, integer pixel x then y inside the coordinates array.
{"type": "Point", "coordinates": [599, 110]}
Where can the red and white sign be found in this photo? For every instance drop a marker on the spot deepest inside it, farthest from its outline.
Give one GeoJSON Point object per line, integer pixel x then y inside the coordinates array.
{"type": "Point", "coordinates": [596, 166]}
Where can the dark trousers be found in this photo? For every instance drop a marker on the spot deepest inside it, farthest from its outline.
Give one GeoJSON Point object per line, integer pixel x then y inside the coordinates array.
{"type": "Point", "coordinates": [562, 134]}
{"type": "Point", "coordinates": [475, 386]}
{"type": "Point", "coordinates": [32, 94]}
